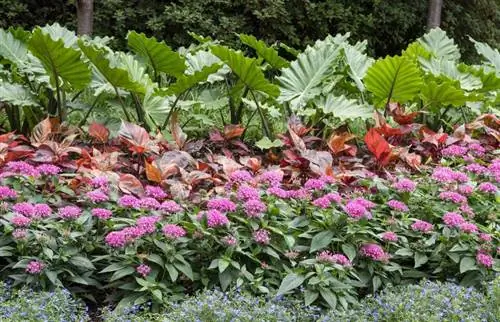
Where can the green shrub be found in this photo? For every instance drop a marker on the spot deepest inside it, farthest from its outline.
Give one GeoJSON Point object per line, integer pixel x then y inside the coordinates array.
{"type": "Point", "coordinates": [427, 301]}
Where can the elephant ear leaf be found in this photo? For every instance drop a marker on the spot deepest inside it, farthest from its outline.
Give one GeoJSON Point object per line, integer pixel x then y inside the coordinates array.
{"type": "Point", "coordinates": [64, 65]}
{"type": "Point", "coordinates": [492, 56]}
{"type": "Point", "coordinates": [440, 45]}
{"type": "Point", "coordinates": [12, 49]}
{"type": "Point", "coordinates": [393, 79]}
{"type": "Point", "coordinates": [269, 54]}
{"type": "Point", "coordinates": [344, 108]}
{"type": "Point", "coordinates": [157, 54]}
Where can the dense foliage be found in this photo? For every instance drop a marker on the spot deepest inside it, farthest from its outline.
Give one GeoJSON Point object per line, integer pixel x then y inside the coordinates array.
{"type": "Point", "coordinates": [388, 26]}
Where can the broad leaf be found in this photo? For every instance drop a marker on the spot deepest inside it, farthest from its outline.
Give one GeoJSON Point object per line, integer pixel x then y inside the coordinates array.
{"type": "Point", "coordinates": [290, 282]}
{"type": "Point", "coordinates": [82, 262]}
{"type": "Point", "coordinates": [247, 69]}
{"type": "Point", "coordinates": [157, 54]}
{"type": "Point", "coordinates": [450, 69]}
{"type": "Point", "coordinates": [491, 54]}
{"type": "Point", "coordinates": [63, 65]}
{"type": "Point", "coordinates": [265, 143]}
{"type": "Point", "coordinates": [321, 240]}
{"type": "Point", "coordinates": [467, 264]}
{"type": "Point", "coordinates": [202, 59]}
{"type": "Point", "coordinates": [12, 49]}
{"type": "Point", "coordinates": [56, 31]}
{"type": "Point", "coordinates": [301, 82]}
{"type": "Point", "coordinates": [377, 145]}
{"type": "Point", "coordinates": [269, 54]}
{"type": "Point", "coordinates": [16, 95]}
{"type": "Point", "coordinates": [393, 79]}
{"type": "Point", "coordinates": [186, 82]}
{"type": "Point", "coordinates": [440, 45]}
{"type": "Point", "coordinates": [344, 108]}
{"type": "Point", "coordinates": [155, 108]}
{"type": "Point", "coordinates": [358, 63]}
{"type": "Point", "coordinates": [436, 96]}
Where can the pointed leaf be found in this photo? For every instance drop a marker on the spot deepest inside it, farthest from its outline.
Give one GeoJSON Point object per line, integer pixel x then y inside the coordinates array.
{"type": "Point", "coordinates": [440, 45]}
{"type": "Point", "coordinates": [269, 54]}
{"type": "Point", "coordinates": [290, 282]}
{"type": "Point", "coordinates": [16, 95]}
{"type": "Point", "coordinates": [344, 108]}
{"type": "Point", "coordinates": [377, 144]}
{"type": "Point", "coordinates": [12, 49]}
{"type": "Point", "coordinates": [358, 63]}
{"type": "Point", "coordinates": [321, 240]}
{"type": "Point", "coordinates": [442, 95]}
{"type": "Point", "coordinates": [492, 55]}
{"type": "Point", "coordinates": [186, 82]}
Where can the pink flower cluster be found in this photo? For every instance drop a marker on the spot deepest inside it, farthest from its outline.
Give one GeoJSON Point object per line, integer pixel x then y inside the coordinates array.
{"type": "Point", "coordinates": [48, 169]}
{"type": "Point", "coordinates": [405, 185]}
{"type": "Point", "coordinates": [70, 212]}
{"type": "Point", "coordinates": [240, 176]}
{"type": "Point", "coordinates": [375, 252]}
{"type": "Point", "coordinates": [447, 175]}
{"type": "Point", "coordinates": [452, 196]}
{"type": "Point", "coordinates": [454, 151]}
{"type": "Point", "coordinates": [465, 189]}
{"type": "Point", "coordinates": [477, 149]}
{"type": "Point", "coordinates": [330, 258]}
{"type": "Point", "coordinates": [29, 210]}
{"type": "Point", "coordinates": [143, 270]}
{"type": "Point", "coordinates": [254, 208]}
{"type": "Point", "coordinates": [273, 178]}
{"type": "Point", "coordinates": [487, 187]}
{"type": "Point", "coordinates": [23, 168]}
{"type": "Point", "coordinates": [229, 240]}
{"type": "Point", "coordinates": [102, 213]}
{"type": "Point", "coordinates": [214, 218]}
{"type": "Point", "coordinates": [476, 168]}
{"type": "Point", "coordinates": [148, 223]}
{"type": "Point", "coordinates": [173, 231]}
{"type": "Point", "coordinates": [397, 205]}
{"type": "Point", "coordinates": [322, 202]}
{"type": "Point", "coordinates": [97, 196]}
{"type": "Point", "coordinates": [221, 204]}
{"type": "Point", "coordinates": [171, 207]}
{"type": "Point", "coordinates": [484, 259]}
{"type": "Point", "coordinates": [7, 193]}
{"type": "Point", "coordinates": [468, 228]}
{"type": "Point", "coordinates": [246, 193]}
{"type": "Point", "coordinates": [422, 226]}
{"type": "Point", "coordinates": [390, 236]}
{"type": "Point", "coordinates": [315, 184]}
{"type": "Point", "coordinates": [155, 192]}
{"type": "Point", "coordinates": [359, 208]}
{"type": "Point", "coordinates": [453, 219]}
{"type": "Point", "coordinates": [262, 237]}
{"type": "Point", "coordinates": [100, 182]}
{"type": "Point", "coordinates": [34, 267]}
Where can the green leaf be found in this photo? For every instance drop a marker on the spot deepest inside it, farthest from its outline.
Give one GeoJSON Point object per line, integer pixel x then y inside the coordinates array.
{"type": "Point", "coordinates": [265, 143]}
{"type": "Point", "coordinates": [420, 259]}
{"type": "Point", "coordinates": [16, 95]}
{"type": "Point", "coordinates": [129, 270]}
{"type": "Point", "coordinates": [344, 108]}
{"type": "Point", "coordinates": [12, 49]}
{"type": "Point", "coordinates": [358, 63]}
{"type": "Point", "coordinates": [186, 82]}
{"type": "Point", "coordinates": [467, 264]}
{"type": "Point", "coordinates": [185, 268]}
{"type": "Point", "coordinates": [155, 108]}
{"type": "Point", "coordinates": [321, 240]}
{"type": "Point", "coordinates": [393, 79]}
{"type": "Point", "coordinates": [157, 54]}
{"type": "Point", "coordinates": [492, 55]}
{"type": "Point", "coordinates": [269, 54]}
{"type": "Point", "coordinates": [83, 262]}
{"type": "Point", "coordinates": [329, 297]}
{"type": "Point", "coordinates": [301, 82]}
{"type": "Point", "coordinates": [290, 282]}
{"type": "Point", "coordinates": [200, 59]}
{"type": "Point", "coordinates": [451, 70]}
{"type": "Point", "coordinates": [174, 274]}
{"type": "Point", "coordinates": [310, 297]}
{"type": "Point", "coordinates": [223, 264]}
{"type": "Point", "coordinates": [440, 45]}
{"type": "Point", "coordinates": [350, 251]}
{"type": "Point", "coordinates": [247, 69]}
{"type": "Point", "coordinates": [116, 76]}
{"type": "Point", "coordinates": [157, 295]}
{"type": "Point", "coordinates": [63, 65]}
{"type": "Point", "coordinates": [404, 252]}
{"type": "Point", "coordinates": [52, 276]}
{"type": "Point", "coordinates": [436, 96]}
{"type": "Point", "coordinates": [225, 279]}
{"type": "Point", "coordinates": [56, 31]}
{"type": "Point", "coordinates": [376, 282]}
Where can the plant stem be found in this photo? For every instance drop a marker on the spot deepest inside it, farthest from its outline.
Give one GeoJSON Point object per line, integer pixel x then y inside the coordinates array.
{"type": "Point", "coordinates": [84, 120]}
{"type": "Point", "coordinates": [127, 116]}
{"type": "Point", "coordinates": [248, 123]}
{"type": "Point", "coordinates": [172, 109]}
{"type": "Point", "coordinates": [59, 101]}
{"type": "Point", "coordinates": [267, 131]}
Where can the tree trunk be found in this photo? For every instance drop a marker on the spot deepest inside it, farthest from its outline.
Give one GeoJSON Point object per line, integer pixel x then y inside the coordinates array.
{"type": "Point", "coordinates": [85, 16]}
{"type": "Point", "coordinates": [434, 14]}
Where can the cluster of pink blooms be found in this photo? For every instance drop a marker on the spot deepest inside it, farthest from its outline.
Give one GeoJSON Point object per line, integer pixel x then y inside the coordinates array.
{"type": "Point", "coordinates": [447, 175]}
{"type": "Point", "coordinates": [273, 178]}
{"type": "Point", "coordinates": [221, 204]}
{"type": "Point", "coordinates": [397, 205]}
{"type": "Point", "coordinates": [422, 226]}
{"type": "Point", "coordinates": [214, 218]}
{"type": "Point", "coordinates": [70, 212]}
{"type": "Point", "coordinates": [173, 231]}
{"type": "Point", "coordinates": [359, 208]}
{"type": "Point", "coordinates": [148, 223]}
{"type": "Point", "coordinates": [322, 202]}
{"type": "Point", "coordinates": [7, 193]}
{"type": "Point", "coordinates": [25, 212]}
{"type": "Point", "coordinates": [19, 233]}
{"type": "Point", "coordinates": [97, 196]}
{"type": "Point", "coordinates": [484, 259]}
{"type": "Point", "coordinates": [20, 221]}
{"type": "Point", "coordinates": [246, 193]}
{"type": "Point", "coordinates": [170, 207]}
{"type": "Point", "coordinates": [34, 267]}
{"type": "Point", "coordinates": [101, 182]}
{"type": "Point", "coordinates": [405, 185]}
{"type": "Point", "coordinates": [149, 203]}
{"type": "Point", "coordinates": [485, 237]}
{"type": "Point", "coordinates": [143, 270]}
{"type": "Point", "coordinates": [487, 187]}
{"type": "Point", "coordinates": [375, 252]}
{"type": "Point", "coordinates": [277, 192]}
{"type": "Point", "coordinates": [477, 149]}
{"type": "Point", "coordinates": [155, 192]}
{"type": "Point", "coordinates": [128, 201]}
{"type": "Point", "coordinates": [390, 236]}
{"type": "Point", "coordinates": [466, 209]}
{"type": "Point", "coordinates": [23, 168]}
{"type": "Point", "coordinates": [240, 176]}
{"type": "Point", "coordinates": [254, 208]}
{"type": "Point", "coordinates": [476, 168]}
{"type": "Point", "coordinates": [48, 169]}
{"type": "Point", "coordinates": [102, 213]}
{"type": "Point", "coordinates": [468, 228]}
{"type": "Point", "coordinates": [315, 184]}
{"type": "Point", "coordinates": [330, 258]}
{"type": "Point", "coordinates": [465, 189]}
{"type": "Point", "coordinates": [453, 219]}
{"type": "Point", "coordinates": [454, 151]}
{"type": "Point", "coordinates": [452, 196]}
{"type": "Point", "coordinates": [229, 240]}
{"type": "Point", "coordinates": [262, 237]}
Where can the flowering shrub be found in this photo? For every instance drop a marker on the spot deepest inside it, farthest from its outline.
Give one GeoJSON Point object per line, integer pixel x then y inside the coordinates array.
{"type": "Point", "coordinates": [427, 301]}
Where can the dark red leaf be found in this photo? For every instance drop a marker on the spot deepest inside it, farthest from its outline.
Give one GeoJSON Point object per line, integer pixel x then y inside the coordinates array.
{"type": "Point", "coordinates": [377, 144]}
{"type": "Point", "coordinates": [99, 132]}
{"type": "Point", "coordinates": [232, 131]}
{"type": "Point", "coordinates": [131, 185]}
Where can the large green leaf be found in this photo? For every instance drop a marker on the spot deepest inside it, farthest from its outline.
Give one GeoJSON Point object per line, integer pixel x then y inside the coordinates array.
{"type": "Point", "coordinates": [155, 108]}
{"type": "Point", "coordinates": [200, 59]}
{"type": "Point", "coordinates": [436, 96]}
{"type": "Point", "coordinates": [451, 70]}
{"type": "Point", "coordinates": [290, 282]}
{"type": "Point", "coordinates": [186, 82]}
{"type": "Point", "coordinates": [16, 95]}
{"type": "Point", "coordinates": [492, 55]}
{"type": "Point", "coordinates": [157, 54]}
{"type": "Point", "coordinates": [393, 79]}
{"type": "Point", "coordinates": [440, 45]}
{"type": "Point", "coordinates": [301, 82]}
{"type": "Point", "coordinates": [247, 69]}
{"type": "Point", "coordinates": [12, 49]}
{"type": "Point", "coordinates": [269, 54]}
{"type": "Point", "coordinates": [64, 65]}
{"type": "Point", "coordinates": [358, 63]}
{"type": "Point", "coordinates": [344, 108]}
{"type": "Point", "coordinates": [56, 31]}
{"type": "Point", "coordinates": [116, 76]}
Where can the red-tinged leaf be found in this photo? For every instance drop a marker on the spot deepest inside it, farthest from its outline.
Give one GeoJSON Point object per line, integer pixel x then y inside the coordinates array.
{"type": "Point", "coordinates": [377, 144]}
{"type": "Point", "coordinates": [129, 184]}
{"type": "Point", "coordinates": [194, 178]}
{"type": "Point", "coordinates": [99, 132]}
{"type": "Point", "coordinates": [7, 137]}
{"type": "Point", "coordinates": [137, 138]}
{"type": "Point", "coordinates": [337, 142]}
{"type": "Point", "coordinates": [194, 146]}
{"type": "Point", "coordinates": [241, 145]}
{"type": "Point", "coordinates": [253, 163]}
{"type": "Point", "coordinates": [216, 136]}
{"type": "Point", "coordinates": [227, 153]}
{"type": "Point", "coordinates": [298, 143]}
{"type": "Point", "coordinates": [432, 137]}
{"type": "Point", "coordinates": [404, 119]}
{"type": "Point", "coordinates": [153, 173]}
{"type": "Point", "coordinates": [41, 132]}
{"type": "Point", "coordinates": [319, 161]}
{"type": "Point", "coordinates": [180, 159]}
{"type": "Point", "coordinates": [296, 126]}
{"type": "Point", "coordinates": [175, 129]}
{"type": "Point", "coordinates": [412, 159]}
{"type": "Point", "coordinates": [228, 165]}
{"type": "Point", "coordinates": [232, 131]}
{"type": "Point", "coordinates": [178, 190]}
{"type": "Point", "coordinates": [389, 131]}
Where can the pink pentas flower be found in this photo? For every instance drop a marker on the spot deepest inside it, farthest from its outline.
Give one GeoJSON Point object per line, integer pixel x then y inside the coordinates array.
{"type": "Point", "coordinates": [262, 237]}
{"type": "Point", "coordinates": [240, 176]}
{"type": "Point", "coordinates": [322, 202]}
{"type": "Point", "coordinates": [170, 206]}
{"type": "Point", "coordinates": [97, 196]}
{"type": "Point", "coordinates": [273, 177]}
{"type": "Point", "coordinates": [356, 210]}
{"type": "Point", "coordinates": [405, 185]}
{"type": "Point", "coordinates": [7, 193]}
{"type": "Point", "coordinates": [102, 213]}
{"type": "Point", "coordinates": [468, 228]}
{"type": "Point", "coordinates": [20, 221]}
{"type": "Point", "coordinates": [128, 201]}
{"type": "Point", "coordinates": [229, 240]}
{"type": "Point", "coordinates": [48, 169]}
{"type": "Point", "coordinates": [466, 209]}
{"type": "Point", "coordinates": [24, 208]}
{"type": "Point", "coordinates": [246, 193]}
{"type": "Point", "coordinates": [328, 257]}
{"type": "Point", "coordinates": [315, 184]}
{"type": "Point", "coordinates": [254, 208]}
{"type": "Point", "coordinates": [148, 223]}
{"type": "Point", "coordinates": [221, 204]}
{"type": "Point", "coordinates": [365, 203]}
{"type": "Point", "coordinates": [149, 203]}
{"type": "Point", "coordinates": [19, 233]}
{"type": "Point", "coordinates": [485, 237]}
{"type": "Point", "coordinates": [390, 236]}
{"type": "Point", "coordinates": [155, 192]}
{"type": "Point", "coordinates": [397, 205]}
{"type": "Point", "coordinates": [100, 182]}
{"type": "Point", "coordinates": [442, 174]}
{"type": "Point", "coordinates": [298, 194]}
{"type": "Point", "coordinates": [477, 149]}
{"type": "Point", "coordinates": [216, 219]}
{"type": "Point", "coordinates": [454, 151]}
{"type": "Point", "coordinates": [134, 232]}
{"type": "Point", "coordinates": [42, 210]}
{"type": "Point", "coordinates": [70, 212]}
{"type": "Point", "coordinates": [173, 231]}
{"type": "Point", "coordinates": [484, 259]}
{"type": "Point", "coordinates": [23, 168]}
{"type": "Point", "coordinates": [452, 196]}
{"type": "Point", "coordinates": [487, 187]}
{"type": "Point", "coordinates": [327, 179]}
{"type": "Point", "coordinates": [459, 176]}
{"type": "Point", "coordinates": [277, 192]}
{"type": "Point", "coordinates": [453, 219]}
{"type": "Point", "coordinates": [143, 270]}
{"type": "Point", "coordinates": [422, 226]}
{"type": "Point", "coordinates": [375, 252]}
{"type": "Point", "coordinates": [333, 197]}
{"type": "Point", "coordinates": [476, 168]}
{"type": "Point", "coordinates": [116, 239]}
{"type": "Point", "coordinates": [465, 189]}
{"type": "Point", "coordinates": [34, 267]}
